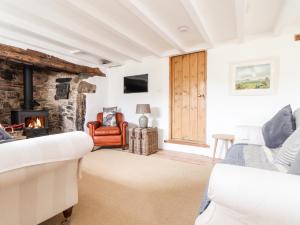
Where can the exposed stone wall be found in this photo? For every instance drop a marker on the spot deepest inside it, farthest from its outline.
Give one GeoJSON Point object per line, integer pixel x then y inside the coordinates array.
{"type": "Point", "coordinates": [64, 114]}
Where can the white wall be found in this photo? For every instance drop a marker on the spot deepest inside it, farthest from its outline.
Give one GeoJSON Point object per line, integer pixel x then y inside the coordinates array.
{"type": "Point", "coordinates": [157, 95]}
{"type": "Point", "coordinates": [224, 111]}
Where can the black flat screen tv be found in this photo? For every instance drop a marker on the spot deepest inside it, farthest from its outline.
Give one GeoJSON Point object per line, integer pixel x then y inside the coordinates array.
{"type": "Point", "coordinates": [136, 84]}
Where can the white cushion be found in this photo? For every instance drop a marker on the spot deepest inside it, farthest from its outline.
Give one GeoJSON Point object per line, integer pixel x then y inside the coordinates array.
{"type": "Point", "coordinates": [289, 150]}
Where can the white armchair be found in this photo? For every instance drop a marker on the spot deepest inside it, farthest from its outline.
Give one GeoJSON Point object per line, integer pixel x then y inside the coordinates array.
{"type": "Point", "coordinates": [250, 196]}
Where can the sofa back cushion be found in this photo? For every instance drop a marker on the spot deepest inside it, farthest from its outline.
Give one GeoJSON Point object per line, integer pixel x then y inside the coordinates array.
{"type": "Point", "coordinates": [279, 128]}
{"type": "Point", "coordinates": [4, 135]}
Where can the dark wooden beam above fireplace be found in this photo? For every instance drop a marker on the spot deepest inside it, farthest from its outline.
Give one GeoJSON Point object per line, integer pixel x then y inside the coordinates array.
{"type": "Point", "coordinates": [43, 60]}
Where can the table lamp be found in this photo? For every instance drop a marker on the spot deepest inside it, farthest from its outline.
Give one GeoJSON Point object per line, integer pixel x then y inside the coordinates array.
{"type": "Point", "coordinates": [143, 109]}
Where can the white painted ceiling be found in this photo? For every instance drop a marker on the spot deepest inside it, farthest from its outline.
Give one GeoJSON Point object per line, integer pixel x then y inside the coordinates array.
{"type": "Point", "coordinates": [91, 32]}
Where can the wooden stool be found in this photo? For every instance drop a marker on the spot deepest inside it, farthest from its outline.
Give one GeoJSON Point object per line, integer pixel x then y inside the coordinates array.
{"type": "Point", "coordinates": [223, 137]}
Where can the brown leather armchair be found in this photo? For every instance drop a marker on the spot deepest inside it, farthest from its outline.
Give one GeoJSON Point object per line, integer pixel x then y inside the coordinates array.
{"type": "Point", "coordinates": [108, 136]}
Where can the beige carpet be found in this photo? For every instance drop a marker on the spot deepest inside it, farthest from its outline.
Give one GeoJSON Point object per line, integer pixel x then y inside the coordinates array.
{"type": "Point", "coordinates": [120, 188]}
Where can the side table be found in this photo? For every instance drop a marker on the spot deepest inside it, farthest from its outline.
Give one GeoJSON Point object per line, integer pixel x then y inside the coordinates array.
{"type": "Point", "coordinates": [143, 141]}
{"type": "Point", "coordinates": [223, 137]}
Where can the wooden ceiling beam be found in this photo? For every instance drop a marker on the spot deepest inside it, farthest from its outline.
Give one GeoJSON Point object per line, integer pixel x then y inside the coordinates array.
{"type": "Point", "coordinates": [10, 35]}
{"type": "Point", "coordinates": [112, 26]}
{"type": "Point", "coordinates": [43, 60]}
{"type": "Point", "coordinates": [145, 15]}
{"type": "Point", "coordinates": [67, 39]}
{"type": "Point", "coordinates": [240, 8]}
{"type": "Point", "coordinates": [82, 32]}
{"type": "Point", "coordinates": [198, 20]}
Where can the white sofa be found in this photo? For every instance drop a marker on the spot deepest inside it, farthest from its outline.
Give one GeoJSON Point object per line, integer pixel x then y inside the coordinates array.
{"type": "Point", "coordinates": [38, 177]}
{"type": "Point", "coordinates": [251, 196]}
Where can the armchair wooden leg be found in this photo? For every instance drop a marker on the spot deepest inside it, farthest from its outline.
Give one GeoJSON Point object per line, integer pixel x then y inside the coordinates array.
{"type": "Point", "coordinates": [68, 212]}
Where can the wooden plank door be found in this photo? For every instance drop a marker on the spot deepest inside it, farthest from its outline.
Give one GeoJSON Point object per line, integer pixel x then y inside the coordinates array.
{"type": "Point", "coordinates": [188, 98]}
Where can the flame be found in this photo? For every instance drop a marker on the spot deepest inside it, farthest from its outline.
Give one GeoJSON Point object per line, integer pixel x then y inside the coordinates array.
{"type": "Point", "coordinates": [35, 123]}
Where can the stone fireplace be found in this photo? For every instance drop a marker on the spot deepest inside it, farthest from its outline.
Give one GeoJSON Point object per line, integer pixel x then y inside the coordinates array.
{"type": "Point", "coordinates": [54, 103]}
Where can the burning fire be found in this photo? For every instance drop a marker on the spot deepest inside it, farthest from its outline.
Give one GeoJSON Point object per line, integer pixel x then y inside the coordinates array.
{"type": "Point", "coordinates": [35, 123]}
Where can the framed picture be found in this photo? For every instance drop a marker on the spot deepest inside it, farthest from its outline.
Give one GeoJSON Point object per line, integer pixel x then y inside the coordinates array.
{"type": "Point", "coordinates": [253, 77]}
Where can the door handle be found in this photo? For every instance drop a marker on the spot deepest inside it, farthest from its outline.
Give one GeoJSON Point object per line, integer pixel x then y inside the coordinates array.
{"type": "Point", "coordinates": [201, 96]}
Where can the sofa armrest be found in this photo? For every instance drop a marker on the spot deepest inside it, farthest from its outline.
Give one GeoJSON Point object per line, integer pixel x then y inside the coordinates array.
{"type": "Point", "coordinates": [93, 125]}
{"type": "Point", "coordinates": [249, 135]}
{"type": "Point", "coordinates": [43, 150]}
{"type": "Point", "coordinates": [259, 196]}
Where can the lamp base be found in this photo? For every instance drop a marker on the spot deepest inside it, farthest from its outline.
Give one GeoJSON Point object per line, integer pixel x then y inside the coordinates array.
{"type": "Point", "coordinates": [143, 121]}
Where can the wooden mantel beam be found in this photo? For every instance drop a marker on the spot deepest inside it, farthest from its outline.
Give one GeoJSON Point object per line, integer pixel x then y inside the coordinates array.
{"type": "Point", "coordinates": [43, 60]}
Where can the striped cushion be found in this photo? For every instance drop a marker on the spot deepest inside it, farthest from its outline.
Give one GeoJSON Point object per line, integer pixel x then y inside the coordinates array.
{"type": "Point", "coordinates": [289, 149]}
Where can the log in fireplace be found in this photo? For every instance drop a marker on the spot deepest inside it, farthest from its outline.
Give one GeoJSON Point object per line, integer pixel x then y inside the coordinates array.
{"type": "Point", "coordinates": [35, 121]}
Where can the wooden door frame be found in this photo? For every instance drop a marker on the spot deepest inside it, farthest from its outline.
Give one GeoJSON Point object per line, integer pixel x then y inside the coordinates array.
{"type": "Point", "coordinates": [170, 140]}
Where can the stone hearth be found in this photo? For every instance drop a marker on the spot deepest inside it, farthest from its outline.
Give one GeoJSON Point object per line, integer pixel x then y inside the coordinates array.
{"type": "Point", "coordinates": [66, 113]}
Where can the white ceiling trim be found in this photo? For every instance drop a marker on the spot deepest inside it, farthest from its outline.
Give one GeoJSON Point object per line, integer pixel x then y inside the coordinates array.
{"type": "Point", "coordinates": [146, 16]}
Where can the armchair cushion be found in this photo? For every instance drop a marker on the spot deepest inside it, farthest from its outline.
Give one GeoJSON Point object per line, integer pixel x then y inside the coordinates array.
{"type": "Point", "coordinates": [101, 131]}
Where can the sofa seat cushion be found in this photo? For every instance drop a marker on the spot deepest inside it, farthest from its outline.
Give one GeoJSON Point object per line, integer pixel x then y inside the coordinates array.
{"type": "Point", "coordinates": [101, 131]}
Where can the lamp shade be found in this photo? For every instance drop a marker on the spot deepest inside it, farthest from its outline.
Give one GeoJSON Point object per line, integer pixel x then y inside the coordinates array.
{"type": "Point", "coordinates": [143, 108]}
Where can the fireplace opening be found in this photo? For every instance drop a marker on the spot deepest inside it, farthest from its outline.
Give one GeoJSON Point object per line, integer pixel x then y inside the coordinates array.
{"type": "Point", "coordinates": [35, 122]}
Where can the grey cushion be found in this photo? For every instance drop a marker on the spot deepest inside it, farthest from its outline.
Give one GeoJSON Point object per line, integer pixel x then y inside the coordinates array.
{"type": "Point", "coordinates": [4, 135]}
{"type": "Point", "coordinates": [297, 117]}
{"type": "Point", "coordinates": [289, 150]}
{"type": "Point", "coordinates": [279, 128]}
{"type": "Point", "coordinates": [295, 168]}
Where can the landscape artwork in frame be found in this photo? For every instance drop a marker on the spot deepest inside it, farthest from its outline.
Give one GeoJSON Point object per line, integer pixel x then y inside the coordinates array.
{"type": "Point", "coordinates": [253, 78]}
